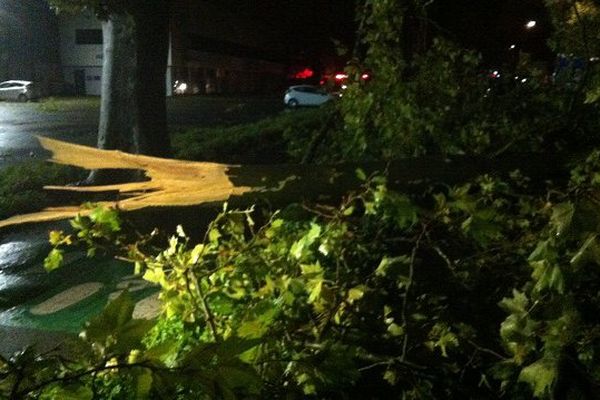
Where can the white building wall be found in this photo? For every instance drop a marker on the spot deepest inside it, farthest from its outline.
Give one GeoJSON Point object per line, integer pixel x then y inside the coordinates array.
{"type": "Point", "coordinates": [83, 62]}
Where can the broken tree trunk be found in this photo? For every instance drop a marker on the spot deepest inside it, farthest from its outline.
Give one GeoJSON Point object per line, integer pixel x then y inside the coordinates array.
{"type": "Point", "coordinates": [177, 183]}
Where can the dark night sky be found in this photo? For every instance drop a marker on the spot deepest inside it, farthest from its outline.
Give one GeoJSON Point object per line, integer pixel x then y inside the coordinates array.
{"type": "Point", "coordinates": [489, 26]}
{"type": "Point", "coordinates": [302, 25]}
{"type": "Point", "coordinates": [304, 28]}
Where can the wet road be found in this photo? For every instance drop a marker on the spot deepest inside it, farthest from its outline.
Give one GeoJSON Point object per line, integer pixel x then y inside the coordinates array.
{"type": "Point", "coordinates": [36, 305]}
{"type": "Point", "coordinates": [76, 120]}
{"type": "Point", "coordinates": [20, 123]}
{"type": "Point", "coordinates": [24, 284]}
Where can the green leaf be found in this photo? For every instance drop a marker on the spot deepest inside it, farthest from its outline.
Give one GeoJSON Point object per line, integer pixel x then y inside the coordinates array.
{"type": "Point", "coordinates": [482, 227]}
{"type": "Point", "coordinates": [143, 383]}
{"type": "Point", "coordinates": [360, 174]}
{"type": "Point", "coordinates": [53, 260]}
{"type": "Point", "coordinates": [107, 217]}
{"type": "Point", "coordinates": [442, 338]}
{"type": "Point", "coordinates": [115, 327]}
{"type": "Point", "coordinates": [57, 238]}
{"type": "Point", "coordinates": [348, 211]}
{"type": "Point", "coordinates": [259, 319]}
{"type": "Point", "coordinates": [316, 287]}
{"type": "Point", "coordinates": [70, 392]}
{"type": "Point", "coordinates": [300, 249]}
{"type": "Point", "coordinates": [562, 215]}
{"type": "Point", "coordinates": [131, 334]}
{"type": "Point", "coordinates": [356, 293]}
{"type": "Point", "coordinates": [518, 303]}
{"type": "Point", "coordinates": [234, 346]}
{"type": "Point", "coordinates": [588, 252]}
{"type": "Point", "coordinates": [541, 376]}
{"type": "Point", "coordinates": [214, 235]}
{"type": "Point", "coordinates": [154, 275]}
{"type": "Point", "coordinates": [548, 276]}
{"type": "Point", "coordinates": [543, 251]}
{"type": "Point", "coordinates": [312, 270]}
{"type": "Point", "coordinates": [395, 329]}
{"type": "Point", "coordinates": [404, 213]}
{"type": "Point", "coordinates": [240, 376]}
{"type": "Point", "coordinates": [196, 253]}
{"type": "Point", "coordinates": [390, 377]}
{"type": "Point", "coordinates": [391, 266]}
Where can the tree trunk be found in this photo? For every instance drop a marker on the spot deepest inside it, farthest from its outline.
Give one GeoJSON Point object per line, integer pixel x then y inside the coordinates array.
{"type": "Point", "coordinates": [118, 117]}
{"type": "Point", "coordinates": [133, 114]}
{"type": "Point", "coordinates": [152, 39]}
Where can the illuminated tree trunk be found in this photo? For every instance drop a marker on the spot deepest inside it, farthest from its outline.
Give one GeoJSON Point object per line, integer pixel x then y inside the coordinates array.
{"type": "Point", "coordinates": [118, 117]}
{"type": "Point", "coordinates": [133, 116]}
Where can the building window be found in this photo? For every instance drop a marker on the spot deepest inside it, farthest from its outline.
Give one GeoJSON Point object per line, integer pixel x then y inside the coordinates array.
{"type": "Point", "coordinates": [88, 36]}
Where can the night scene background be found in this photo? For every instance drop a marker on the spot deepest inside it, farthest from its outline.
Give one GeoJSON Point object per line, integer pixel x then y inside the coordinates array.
{"type": "Point", "coordinates": [298, 34]}
{"type": "Point", "coordinates": [299, 199]}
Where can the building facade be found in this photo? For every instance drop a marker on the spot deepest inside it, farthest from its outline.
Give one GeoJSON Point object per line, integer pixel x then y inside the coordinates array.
{"type": "Point", "coordinates": [211, 51]}
{"type": "Point", "coordinates": [81, 54]}
{"type": "Point", "coordinates": [29, 44]}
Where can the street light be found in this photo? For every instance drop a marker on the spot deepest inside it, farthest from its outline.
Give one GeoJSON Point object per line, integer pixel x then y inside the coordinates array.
{"type": "Point", "coordinates": [531, 24]}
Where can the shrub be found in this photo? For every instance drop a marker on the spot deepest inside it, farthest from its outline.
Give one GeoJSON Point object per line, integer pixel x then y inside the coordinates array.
{"type": "Point", "coordinates": [278, 139]}
{"type": "Point", "coordinates": [21, 186]}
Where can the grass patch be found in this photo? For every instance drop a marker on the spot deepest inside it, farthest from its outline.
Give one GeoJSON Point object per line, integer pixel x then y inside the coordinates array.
{"type": "Point", "coordinates": [62, 104]}
{"type": "Point", "coordinates": [22, 185]}
{"type": "Point", "coordinates": [278, 139]}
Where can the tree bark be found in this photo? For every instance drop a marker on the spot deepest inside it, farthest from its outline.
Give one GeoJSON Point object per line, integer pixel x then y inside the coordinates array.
{"type": "Point", "coordinates": [133, 113]}
{"type": "Point", "coordinates": [152, 40]}
{"type": "Point", "coordinates": [118, 105]}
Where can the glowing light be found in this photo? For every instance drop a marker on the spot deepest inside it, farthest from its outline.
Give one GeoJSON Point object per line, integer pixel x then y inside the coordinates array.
{"type": "Point", "coordinates": [365, 76]}
{"type": "Point", "coordinates": [512, 47]}
{"type": "Point", "coordinates": [531, 24]}
{"type": "Point", "coordinates": [304, 74]}
{"type": "Point", "coordinates": [523, 80]}
{"type": "Point", "coordinates": [340, 77]}
{"type": "Point", "coordinates": [344, 87]}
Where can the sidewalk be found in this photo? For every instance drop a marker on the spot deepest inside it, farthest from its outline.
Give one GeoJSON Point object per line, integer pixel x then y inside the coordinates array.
{"type": "Point", "coordinates": [14, 339]}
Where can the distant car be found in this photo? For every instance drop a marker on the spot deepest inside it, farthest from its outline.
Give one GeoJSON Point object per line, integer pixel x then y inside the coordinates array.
{"type": "Point", "coordinates": [305, 95]}
{"type": "Point", "coordinates": [18, 90]}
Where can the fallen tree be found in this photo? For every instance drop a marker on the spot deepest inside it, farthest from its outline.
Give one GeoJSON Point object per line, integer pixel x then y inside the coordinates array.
{"type": "Point", "coordinates": [176, 183]}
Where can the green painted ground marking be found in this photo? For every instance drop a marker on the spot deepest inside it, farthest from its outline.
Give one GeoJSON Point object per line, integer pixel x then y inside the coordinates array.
{"type": "Point", "coordinates": [33, 285]}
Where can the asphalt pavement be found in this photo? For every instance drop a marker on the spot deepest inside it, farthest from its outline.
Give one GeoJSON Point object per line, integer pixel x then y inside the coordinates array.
{"type": "Point", "coordinates": [75, 120]}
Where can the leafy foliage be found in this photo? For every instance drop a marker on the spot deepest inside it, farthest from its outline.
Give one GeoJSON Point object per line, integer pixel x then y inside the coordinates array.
{"type": "Point", "coordinates": [488, 289]}
{"type": "Point", "coordinates": [387, 294]}
{"type": "Point", "coordinates": [283, 138]}
{"type": "Point", "coordinates": [439, 100]}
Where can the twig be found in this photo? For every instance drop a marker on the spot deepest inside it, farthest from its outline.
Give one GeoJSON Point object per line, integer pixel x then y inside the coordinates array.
{"type": "Point", "coordinates": [210, 318]}
{"type": "Point", "coordinates": [411, 272]}
{"type": "Point", "coordinates": [487, 351]}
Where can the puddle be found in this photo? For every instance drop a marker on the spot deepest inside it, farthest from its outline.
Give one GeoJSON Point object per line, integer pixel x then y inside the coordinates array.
{"type": "Point", "coordinates": [20, 252]}
{"type": "Point", "coordinates": [10, 280]}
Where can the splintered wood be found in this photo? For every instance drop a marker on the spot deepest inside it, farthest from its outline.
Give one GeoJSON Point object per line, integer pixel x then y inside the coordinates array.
{"type": "Point", "coordinates": [171, 182]}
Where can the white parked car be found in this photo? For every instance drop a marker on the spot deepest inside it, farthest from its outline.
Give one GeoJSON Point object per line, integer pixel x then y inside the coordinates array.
{"type": "Point", "coordinates": [18, 90]}
{"type": "Point", "coordinates": [305, 95]}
